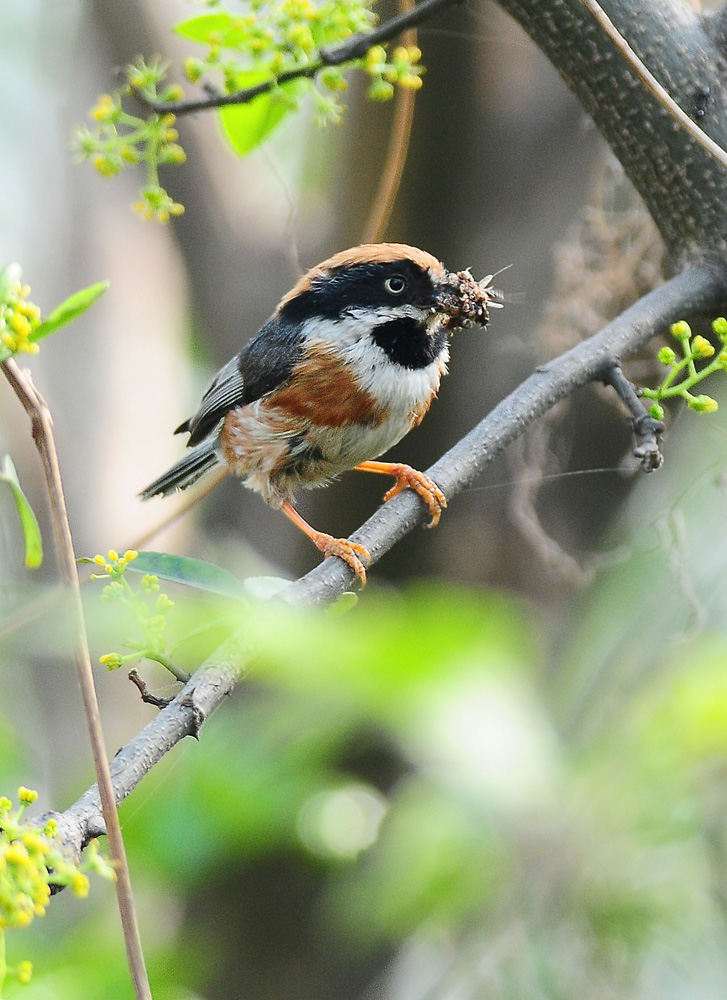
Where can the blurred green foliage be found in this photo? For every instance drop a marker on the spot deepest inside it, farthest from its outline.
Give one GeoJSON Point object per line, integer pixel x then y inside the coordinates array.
{"type": "Point", "coordinates": [406, 764]}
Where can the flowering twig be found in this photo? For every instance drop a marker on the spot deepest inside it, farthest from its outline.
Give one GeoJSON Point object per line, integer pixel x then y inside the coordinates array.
{"type": "Point", "coordinates": [336, 55]}
{"type": "Point", "coordinates": [683, 373]}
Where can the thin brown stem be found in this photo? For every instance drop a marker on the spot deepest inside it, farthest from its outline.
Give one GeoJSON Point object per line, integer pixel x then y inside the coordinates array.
{"type": "Point", "coordinates": [393, 169]}
{"type": "Point", "coordinates": [42, 430]}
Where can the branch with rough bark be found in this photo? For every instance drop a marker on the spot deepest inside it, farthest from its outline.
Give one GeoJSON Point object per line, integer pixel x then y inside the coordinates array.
{"type": "Point", "coordinates": [693, 292]}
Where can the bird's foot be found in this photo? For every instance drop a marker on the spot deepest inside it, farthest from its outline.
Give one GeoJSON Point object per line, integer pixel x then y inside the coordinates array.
{"type": "Point", "coordinates": [355, 556]}
{"type": "Point", "coordinates": [426, 488]}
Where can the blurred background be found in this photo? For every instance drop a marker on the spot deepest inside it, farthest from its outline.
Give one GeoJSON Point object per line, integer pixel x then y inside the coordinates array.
{"type": "Point", "coordinates": [503, 774]}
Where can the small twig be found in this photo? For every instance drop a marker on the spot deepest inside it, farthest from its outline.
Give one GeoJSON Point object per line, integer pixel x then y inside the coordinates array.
{"type": "Point", "coordinates": [647, 429]}
{"type": "Point", "coordinates": [146, 695]}
{"type": "Point", "coordinates": [42, 430]}
{"type": "Point", "coordinates": [181, 675]}
{"type": "Point", "coordinates": [333, 55]}
{"type": "Point", "coordinates": [393, 169]}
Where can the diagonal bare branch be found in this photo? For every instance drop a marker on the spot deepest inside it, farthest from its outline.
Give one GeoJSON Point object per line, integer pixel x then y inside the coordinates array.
{"type": "Point", "coordinates": [690, 293]}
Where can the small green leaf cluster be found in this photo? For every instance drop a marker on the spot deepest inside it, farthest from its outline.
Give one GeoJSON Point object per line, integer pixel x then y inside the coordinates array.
{"type": "Point", "coordinates": [148, 607]}
{"type": "Point", "coordinates": [21, 324]}
{"type": "Point", "coordinates": [275, 46]}
{"type": "Point", "coordinates": [121, 138]}
{"type": "Point", "coordinates": [683, 372]}
{"type": "Point", "coordinates": [30, 861]}
{"type": "Point", "coordinates": [274, 40]}
{"type": "Point", "coordinates": [271, 38]}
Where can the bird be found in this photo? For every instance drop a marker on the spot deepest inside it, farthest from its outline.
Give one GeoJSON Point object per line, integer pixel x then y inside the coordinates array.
{"type": "Point", "coordinates": [349, 362]}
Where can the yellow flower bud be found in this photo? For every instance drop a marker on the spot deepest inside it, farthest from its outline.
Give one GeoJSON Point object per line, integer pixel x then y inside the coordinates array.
{"type": "Point", "coordinates": [26, 795]}
{"type": "Point", "coordinates": [20, 324]}
{"type": "Point", "coordinates": [681, 330]}
{"type": "Point", "coordinates": [79, 884]}
{"type": "Point", "coordinates": [411, 82]}
{"type": "Point", "coordinates": [702, 348]}
{"type": "Point", "coordinates": [24, 972]}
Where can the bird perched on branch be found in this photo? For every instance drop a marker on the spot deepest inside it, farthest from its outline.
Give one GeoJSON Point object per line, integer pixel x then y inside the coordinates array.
{"type": "Point", "coordinates": [348, 363]}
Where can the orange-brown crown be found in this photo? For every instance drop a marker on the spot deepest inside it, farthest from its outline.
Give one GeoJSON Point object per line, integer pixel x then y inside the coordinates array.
{"type": "Point", "coordinates": [366, 253]}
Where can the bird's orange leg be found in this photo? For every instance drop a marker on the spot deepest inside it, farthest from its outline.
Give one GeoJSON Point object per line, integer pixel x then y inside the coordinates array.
{"type": "Point", "coordinates": [407, 477]}
{"type": "Point", "coordinates": [352, 554]}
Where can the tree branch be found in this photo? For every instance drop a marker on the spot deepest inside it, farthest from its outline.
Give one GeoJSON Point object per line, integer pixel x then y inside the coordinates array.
{"type": "Point", "coordinates": [647, 429]}
{"type": "Point", "coordinates": [332, 55]}
{"type": "Point", "coordinates": [695, 291]}
{"type": "Point", "coordinates": [680, 181]}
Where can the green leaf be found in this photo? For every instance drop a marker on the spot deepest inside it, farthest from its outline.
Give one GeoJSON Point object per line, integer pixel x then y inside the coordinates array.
{"type": "Point", "coordinates": [246, 126]}
{"type": "Point", "coordinates": [8, 277]}
{"type": "Point", "coordinates": [189, 572]}
{"type": "Point", "coordinates": [214, 29]}
{"type": "Point", "coordinates": [69, 310]}
{"type": "Point", "coordinates": [28, 520]}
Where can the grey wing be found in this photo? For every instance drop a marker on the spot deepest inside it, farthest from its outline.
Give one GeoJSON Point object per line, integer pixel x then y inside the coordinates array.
{"type": "Point", "coordinates": [265, 363]}
{"type": "Point", "coordinates": [226, 392]}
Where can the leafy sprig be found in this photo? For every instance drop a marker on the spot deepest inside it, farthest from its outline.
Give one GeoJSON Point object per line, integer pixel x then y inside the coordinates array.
{"type": "Point", "coordinates": [122, 138]}
{"type": "Point", "coordinates": [275, 46]}
{"type": "Point", "coordinates": [148, 606]}
{"type": "Point", "coordinates": [21, 322]}
{"type": "Point", "coordinates": [684, 373]}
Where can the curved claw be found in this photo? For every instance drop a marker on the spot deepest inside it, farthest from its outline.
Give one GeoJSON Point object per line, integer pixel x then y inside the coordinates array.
{"type": "Point", "coordinates": [354, 555]}
{"type": "Point", "coordinates": [426, 488]}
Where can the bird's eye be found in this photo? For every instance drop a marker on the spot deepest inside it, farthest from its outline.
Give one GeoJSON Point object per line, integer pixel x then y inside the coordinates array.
{"type": "Point", "coordinates": [395, 284]}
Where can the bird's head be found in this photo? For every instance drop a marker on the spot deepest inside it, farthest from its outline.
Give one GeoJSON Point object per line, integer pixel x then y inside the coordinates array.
{"type": "Point", "coordinates": [401, 297]}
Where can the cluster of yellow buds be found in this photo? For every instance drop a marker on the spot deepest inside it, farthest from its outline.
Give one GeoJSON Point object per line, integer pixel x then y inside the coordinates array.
{"type": "Point", "coordinates": [112, 563]}
{"type": "Point", "coordinates": [31, 860]}
{"type": "Point", "coordinates": [106, 109]}
{"type": "Point", "coordinates": [148, 606]}
{"type": "Point", "coordinates": [157, 204]}
{"type": "Point", "coordinates": [684, 374]}
{"type": "Point", "coordinates": [121, 137]}
{"type": "Point", "coordinates": [18, 318]}
{"type": "Point", "coordinates": [402, 69]}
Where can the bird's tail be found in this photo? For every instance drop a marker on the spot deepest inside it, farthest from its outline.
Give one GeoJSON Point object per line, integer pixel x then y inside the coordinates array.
{"type": "Point", "coordinates": [187, 470]}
